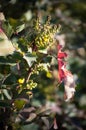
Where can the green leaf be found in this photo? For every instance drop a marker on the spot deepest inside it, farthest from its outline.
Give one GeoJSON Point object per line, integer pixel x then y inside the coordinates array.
{"type": "Point", "coordinates": [5, 91]}
{"type": "Point", "coordinates": [6, 61]}
{"type": "Point", "coordinates": [44, 51]}
{"type": "Point", "coordinates": [20, 28]}
{"type": "Point", "coordinates": [8, 28]}
{"type": "Point", "coordinates": [11, 59]}
{"type": "Point", "coordinates": [36, 103]}
{"type": "Point", "coordinates": [1, 76]}
{"type": "Point", "coordinates": [13, 22]}
{"type": "Point", "coordinates": [19, 103]}
{"type": "Point", "coordinates": [10, 79]}
{"type": "Point", "coordinates": [47, 59]}
{"type": "Point", "coordinates": [5, 103]}
{"type": "Point", "coordinates": [14, 69]}
{"type": "Point", "coordinates": [22, 44]}
{"type": "Point", "coordinates": [30, 58]}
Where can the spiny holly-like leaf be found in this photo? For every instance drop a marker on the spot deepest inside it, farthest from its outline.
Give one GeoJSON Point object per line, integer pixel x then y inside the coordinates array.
{"type": "Point", "coordinates": [30, 58]}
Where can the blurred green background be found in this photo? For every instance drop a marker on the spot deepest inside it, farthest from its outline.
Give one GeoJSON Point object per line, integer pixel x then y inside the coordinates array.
{"type": "Point", "coordinates": [71, 15]}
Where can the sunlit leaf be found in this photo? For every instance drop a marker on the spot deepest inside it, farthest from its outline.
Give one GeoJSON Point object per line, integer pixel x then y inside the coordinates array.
{"type": "Point", "coordinates": [19, 103]}
{"type": "Point", "coordinates": [20, 28]}
{"type": "Point", "coordinates": [6, 46]}
{"type": "Point", "coordinates": [30, 58]}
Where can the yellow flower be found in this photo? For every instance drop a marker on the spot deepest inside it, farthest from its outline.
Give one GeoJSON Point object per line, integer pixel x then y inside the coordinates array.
{"type": "Point", "coordinates": [21, 80]}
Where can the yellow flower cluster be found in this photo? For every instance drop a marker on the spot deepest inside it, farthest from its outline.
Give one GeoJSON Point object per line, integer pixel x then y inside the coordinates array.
{"type": "Point", "coordinates": [42, 40]}
{"type": "Point", "coordinates": [45, 34]}
{"type": "Point", "coordinates": [31, 85]}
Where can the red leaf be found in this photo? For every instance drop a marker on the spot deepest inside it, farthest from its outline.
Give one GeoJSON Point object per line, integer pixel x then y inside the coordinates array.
{"type": "Point", "coordinates": [60, 63]}
{"type": "Point", "coordinates": [59, 47]}
{"type": "Point", "coordinates": [64, 75]}
{"type": "Point", "coordinates": [60, 70]}
{"type": "Point", "coordinates": [62, 55]}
